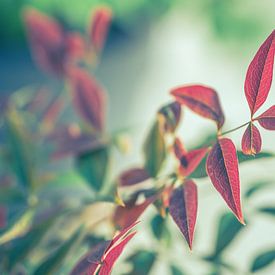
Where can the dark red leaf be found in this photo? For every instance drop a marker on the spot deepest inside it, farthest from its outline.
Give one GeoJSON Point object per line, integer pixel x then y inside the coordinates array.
{"type": "Point", "coordinates": [3, 213]}
{"type": "Point", "coordinates": [90, 262]}
{"type": "Point", "coordinates": [101, 19]}
{"type": "Point", "coordinates": [267, 119]}
{"type": "Point", "coordinates": [113, 254]}
{"type": "Point", "coordinates": [171, 114]}
{"type": "Point", "coordinates": [46, 40]}
{"type": "Point", "coordinates": [128, 214]}
{"type": "Point", "coordinates": [101, 259]}
{"type": "Point", "coordinates": [189, 161]}
{"type": "Point", "coordinates": [202, 100]}
{"type": "Point", "coordinates": [251, 141]}
{"type": "Point", "coordinates": [133, 176]}
{"type": "Point", "coordinates": [259, 74]}
{"type": "Point", "coordinates": [183, 209]}
{"type": "Point", "coordinates": [88, 97]}
{"type": "Point", "coordinates": [222, 168]}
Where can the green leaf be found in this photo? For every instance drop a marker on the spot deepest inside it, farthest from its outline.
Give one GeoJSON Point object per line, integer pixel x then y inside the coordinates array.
{"type": "Point", "coordinates": [200, 172]}
{"type": "Point", "coordinates": [142, 262]}
{"type": "Point", "coordinates": [154, 150]}
{"type": "Point", "coordinates": [176, 270]}
{"type": "Point", "coordinates": [19, 149]}
{"type": "Point", "coordinates": [160, 230]}
{"type": "Point", "coordinates": [228, 229]}
{"type": "Point", "coordinates": [256, 187]}
{"type": "Point", "coordinates": [18, 249]}
{"type": "Point", "coordinates": [93, 166]}
{"type": "Point", "coordinates": [267, 210]}
{"type": "Point", "coordinates": [56, 259]}
{"type": "Point", "coordinates": [263, 260]}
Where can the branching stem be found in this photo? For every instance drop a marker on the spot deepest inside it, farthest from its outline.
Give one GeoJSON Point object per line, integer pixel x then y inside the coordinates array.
{"type": "Point", "coordinates": [235, 129]}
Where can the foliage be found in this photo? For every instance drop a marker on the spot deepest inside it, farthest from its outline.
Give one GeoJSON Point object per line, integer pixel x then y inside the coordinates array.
{"type": "Point", "coordinates": [39, 124]}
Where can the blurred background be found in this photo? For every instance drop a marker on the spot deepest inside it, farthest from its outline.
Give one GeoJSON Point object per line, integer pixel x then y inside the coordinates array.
{"type": "Point", "coordinates": [152, 47]}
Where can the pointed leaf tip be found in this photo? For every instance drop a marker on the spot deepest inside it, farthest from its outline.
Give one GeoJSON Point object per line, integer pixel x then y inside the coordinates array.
{"type": "Point", "coordinates": [183, 209]}
{"type": "Point", "coordinates": [259, 74]}
{"type": "Point", "coordinates": [222, 168]}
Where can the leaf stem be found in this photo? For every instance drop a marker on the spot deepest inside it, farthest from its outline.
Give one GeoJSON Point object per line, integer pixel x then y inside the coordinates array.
{"type": "Point", "coordinates": [234, 129]}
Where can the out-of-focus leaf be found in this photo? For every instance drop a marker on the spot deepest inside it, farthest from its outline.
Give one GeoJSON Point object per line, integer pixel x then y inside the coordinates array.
{"type": "Point", "coordinates": [267, 119]}
{"type": "Point", "coordinates": [183, 209]}
{"type": "Point", "coordinates": [222, 168]}
{"type": "Point", "coordinates": [267, 210]}
{"type": "Point", "coordinates": [256, 187]}
{"type": "Point", "coordinates": [160, 230]}
{"type": "Point", "coordinates": [46, 39]}
{"type": "Point", "coordinates": [130, 212]}
{"type": "Point", "coordinates": [100, 21]}
{"type": "Point", "coordinates": [263, 260]}
{"type": "Point", "coordinates": [89, 98]}
{"type": "Point", "coordinates": [171, 114]}
{"type": "Point", "coordinates": [93, 166]}
{"type": "Point", "coordinates": [259, 74]}
{"type": "Point", "coordinates": [251, 140]}
{"type": "Point", "coordinates": [19, 149]}
{"type": "Point", "coordinates": [3, 213]}
{"type": "Point", "coordinates": [11, 195]}
{"type": "Point", "coordinates": [176, 270]}
{"type": "Point", "coordinates": [133, 176]}
{"type": "Point", "coordinates": [56, 259]}
{"type": "Point", "coordinates": [18, 249]}
{"type": "Point", "coordinates": [228, 229]}
{"type": "Point", "coordinates": [154, 150]}
{"type": "Point", "coordinates": [202, 100]}
{"type": "Point", "coordinates": [142, 262]}
{"type": "Point", "coordinates": [18, 227]}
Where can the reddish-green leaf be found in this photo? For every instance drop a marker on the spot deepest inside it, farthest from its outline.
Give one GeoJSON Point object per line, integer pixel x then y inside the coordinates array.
{"type": "Point", "coordinates": [88, 97]}
{"type": "Point", "coordinates": [101, 19]}
{"type": "Point", "coordinates": [171, 114]}
{"type": "Point", "coordinates": [267, 119]}
{"type": "Point", "coordinates": [259, 75]}
{"type": "Point", "coordinates": [189, 161]}
{"type": "Point", "coordinates": [251, 141]}
{"type": "Point", "coordinates": [222, 168]}
{"type": "Point", "coordinates": [202, 100]}
{"type": "Point", "coordinates": [183, 209]}
{"type": "Point", "coordinates": [133, 176]}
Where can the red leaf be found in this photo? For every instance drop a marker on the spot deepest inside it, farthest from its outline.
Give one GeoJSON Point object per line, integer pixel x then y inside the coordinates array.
{"type": "Point", "coordinates": [3, 214]}
{"type": "Point", "coordinates": [251, 141]}
{"type": "Point", "coordinates": [46, 40]}
{"type": "Point", "coordinates": [76, 47]}
{"type": "Point", "coordinates": [90, 262]}
{"type": "Point", "coordinates": [128, 214]}
{"type": "Point", "coordinates": [88, 97]}
{"type": "Point", "coordinates": [183, 209]}
{"type": "Point", "coordinates": [202, 100]}
{"type": "Point", "coordinates": [189, 161]}
{"type": "Point", "coordinates": [222, 168]}
{"type": "Point", "coordinates": [267, 119]}
{"type": "Point", "coordinates": [259, 75]}
{"type": "Point", "coordinates": [100, 22]}
{"type": "Point", "coordinates": [113, 254]}
{"type": "Point", "coordinates": [133, 176]}
{"type": "Point", "coordinates": [101, 259]}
